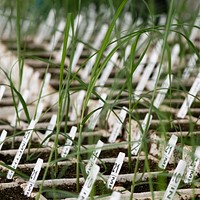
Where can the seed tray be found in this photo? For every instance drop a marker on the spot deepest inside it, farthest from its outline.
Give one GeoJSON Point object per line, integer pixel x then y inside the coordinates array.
{"type": "Point", "coordinates": [169, 124]}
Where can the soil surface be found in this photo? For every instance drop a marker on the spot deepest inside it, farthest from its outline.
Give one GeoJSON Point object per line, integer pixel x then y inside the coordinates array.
{"type": "Point", "coordinates": [16, 193]}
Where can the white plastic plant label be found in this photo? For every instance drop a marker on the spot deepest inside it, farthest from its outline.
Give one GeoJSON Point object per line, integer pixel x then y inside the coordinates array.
{"type": "Point", "coordinates": [2, 138]}
{"type": "Point", "coordinates": [39, 111]}
{"type": "Point", "coordinates": [2, 91]}
{"type": "Point", "coordinates": [77, 22]}
{"type": "Point", "coordinates": [190, 98]}
{"type": "Point", "coordinates": [118, 125]}
{"type": "Point", "coordinates": [87, 187]}
{"type": "Point", "coordinates": [148, 70]}
{"type": "Point", "coordinates": [21, 149]}
{"type": "Point", "coordinates": [33, 177]}
{"type": "Point", "coordinates": [107, 71]}
{"type": "Point", "coordinates": [45, 28]}
{"type": "Point", "coordinates": [191, 64]}
{"type": "Point", "coordinates": [45, 85]}
{"type": "Point", "coordinates": [162, 92]}
{"type": "Point", "coordinates": [25, 96]}
{"type": "Point", "coordinates": [77, 106]}
{"type": "Point", "coordinates": [95, 116]}
{"type": "Point", "coordinates": [50, 128]}
{"type": "Point", "coordinates": [175, 180]}
{"type": "Point", "coordinates": [88, 67]}
{"type": "Point", "coordinates": [94, 156]}
{"type": "Point", "coordinates": [168, 152]}
{"type": "Point", "coordinates": [115, 170]}
{"type": "Point", "coordinates": [57, 36]}
{"type": "Point", "coordinates": [145, 125]}
{"type": "Point", "coordinates": [140, 68]}
{"type": "Point", "coordinates": [80, 46]}
{"type": "Point", "coordinates": [115, 196]}
{"type": "Point", "coordinates": [192, 167]}
{"type": "Point", "coordinates": [127, 53]}
{"type": "Point", "coordinates": [69, 142]}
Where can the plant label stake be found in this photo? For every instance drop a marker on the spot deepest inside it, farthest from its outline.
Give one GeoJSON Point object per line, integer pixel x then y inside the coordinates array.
{"type": "Point", "coordinates": [161, 95]}
{"type": "Point", "coordinates": [190, 98]}
{"type": "Point", "coordinates": [193, 167]}
{"type": "Point", "coordinates": [107, 71]}
{"type": "Point", "coordinates": [77, 22]}
{"type": "Point", "coordinates": [95, 116]}
{"type": "Point", "coordinates": [49, 130]}
{"type": "Point", "coordinates": [21, 149]}
{"type": "Point", "coordinates": [88, 67]}
{"type": "Point", "coordinates": [39, 111]}
{"type": "Point", "coordinates": [80, 46]}
{"type": "Point", "coordinates": [2, 138]}
{"type": "Point", "coordinates": [140, 68]}
{"type": "Point", "coordinates": [76, 109]}
{"type": "Point", "coordinates": [115, 170]}
{"type": "Point", "coordinates": [145, 125]}
{"type": "Point", "coordinates": [168, 152]}
{"type": "Point", "coordinates": [45, 28]}
{"type": "Point", "coordinates": [33, 177]}
{"type": "Point", "coordinates": [2, 90]}
{"type": "Point", "coordinates": [20, 108]}
{"type": "Point", "coordinates": [118, 125]}
{"type": "Point", "coordinates": [127, 53]}
{"type": "Point", "coordinates": [87, 187]}
{"type": "Point", "coordinates": [45, 85]}
{"type": "Point", "coordinates": [148, 70]}
{"type": "Point", "coordinates": [115, 195]}
{"type": "Point", "coordinates": [191, 64]}
{"type": "Point", "coordinates": [94, 156]}
{"type": "Point", "coordinates": [69, 142]}
{"type": "Point", "coordinates": [56, 37]}
{"type": "Point", "coordinates": [175, 180]}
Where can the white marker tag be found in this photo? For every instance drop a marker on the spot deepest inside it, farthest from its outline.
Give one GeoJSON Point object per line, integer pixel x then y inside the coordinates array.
{"type": "Point", "coordinates": [168, 152]}
{"type": "Point", "coordinates": [118, 125]}
{"type": "Point", "coordinates": [87, 187]}
{"type": "Point", "coordinates": [127, 53]}
{"type": "Point", "coordinates": [190, 98]}
{"type": "Point", "coordinates": [21, 149]}
{"type": "Point", "coordinates": [107, 71]}
{"type": "Point", "coordinates": [115, 170]}
{"type": "Point", "coordinates": [33, 177]}
{"type": "Point", "coordinates": [57, 36]}
{"type": "Point", "coordinates": [39, 111]}
{"type": "Point", "coordinates": [193, 167]}
{"type": "Point", "coordinates": [77, 22]}
{"type": "Point", "coordinates": [191, 64]}
{"type": "Point", "coordinates": [137, 144]}
{"type": "Point", "coordinates": [140, 67]}
{"type": "Point", "coordinates": [2, 138]}
{"type": "Point", "coordinates": [175, 180]}
{"type": "Point", "coordinates": [174, 54]}
{"type": "Point", "coordinates": [45, 85]}
{"type": "Point", "coordinates": [80, 46]}
{"type": "Point", "coordinates": [50, 128]}
{"type": "Point", "coordinates": [162, 92]}
{"type": "Point", "coordinates": [95, 116]}
{"type": "Point", "coordinates": [76, 109]}
{"type": "Point", "coordinates": [115, 196]}
{"type": "Point", "coordinates": [88, 67]}
{"type": "Point", "coordinates": [2, 91]}
{"type": "Point", "coordinates": [69, 142]}
{"type": "Point", "coordinates": [94, 156]}
{"type": "Point", "coordinates": [148, 70]}
{"type": "Point", "coordinates": [45, 28]}
{"type": "Point", "coordinates": [34, 83]}
{"type": "Point", "coordinates": [20, 108]}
